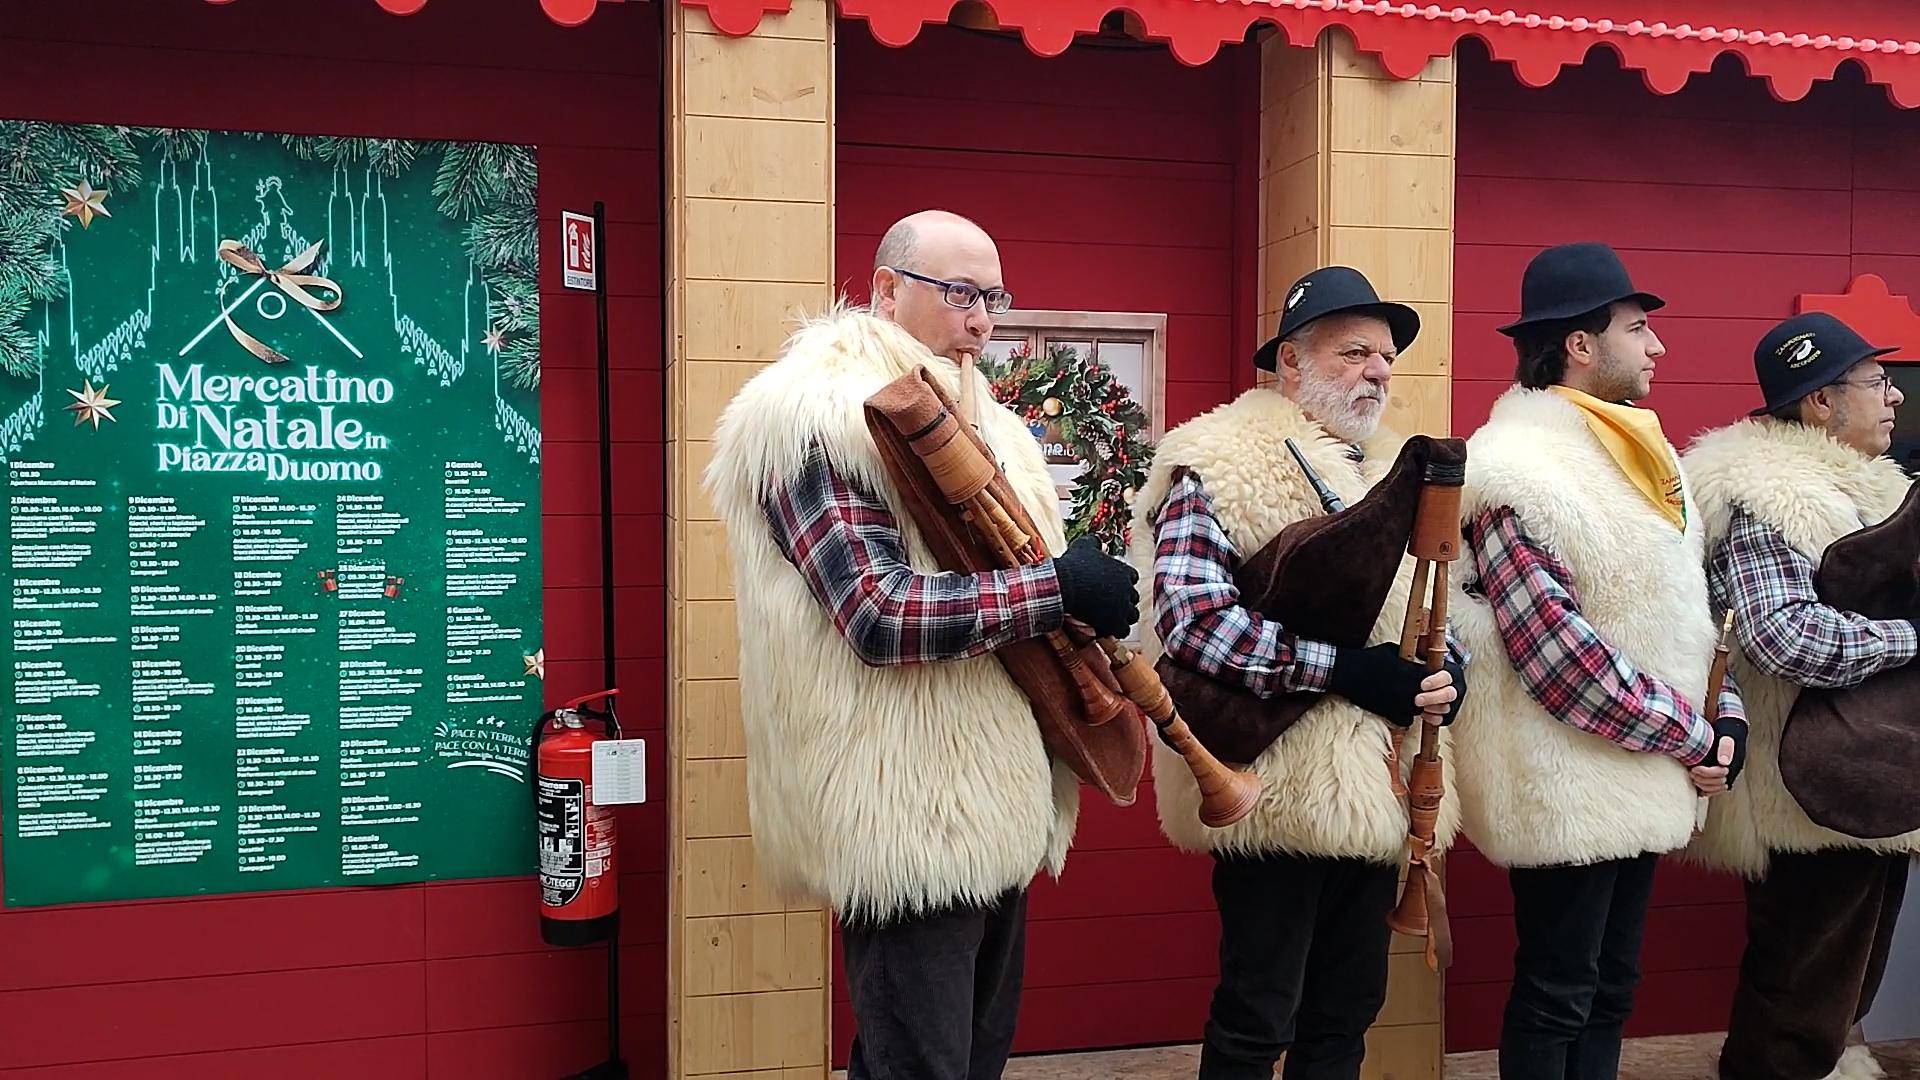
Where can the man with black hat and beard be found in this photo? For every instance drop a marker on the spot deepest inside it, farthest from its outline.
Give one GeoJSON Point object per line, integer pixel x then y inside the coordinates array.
{"type": "Point", "coordinates": [1304, 883]}
{"type": "Point", "coordinates": [1581, 753]}
{"type": "Point", "coordinates": [1808, 468]}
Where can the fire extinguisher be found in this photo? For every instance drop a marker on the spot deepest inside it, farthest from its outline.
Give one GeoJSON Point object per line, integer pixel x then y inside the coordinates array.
{"type": "Point", "coordinates": [579, 878]}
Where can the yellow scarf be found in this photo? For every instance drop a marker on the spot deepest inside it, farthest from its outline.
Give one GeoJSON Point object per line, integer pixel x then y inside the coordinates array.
{"type": "Point", "coordinates": [1634, 439]}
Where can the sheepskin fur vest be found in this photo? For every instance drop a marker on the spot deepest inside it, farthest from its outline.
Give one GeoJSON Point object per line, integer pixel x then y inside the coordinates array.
{"type": "Point", "coordinates": [1813, 490]}
{"type": "Point", "coordinates": [1534, 790]}
{"type": "Point", "coordinates": [1328, 790]}
{"type": "Point", "coordinates": [882, 791]}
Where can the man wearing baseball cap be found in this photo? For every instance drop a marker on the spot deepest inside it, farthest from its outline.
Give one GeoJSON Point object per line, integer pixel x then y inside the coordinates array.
{"type": "Point", "coordinates": [1775, 490]}
{"type": "Point", "coordinates": [1583, 749]}
{"type": "Point", "coordinates": [1304, 883]}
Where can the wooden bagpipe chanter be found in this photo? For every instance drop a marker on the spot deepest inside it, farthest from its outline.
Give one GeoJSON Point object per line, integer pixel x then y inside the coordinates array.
{"type": "Point", "coordinates": [1088, 693]}
{"type": "Point", "coordinates": [1327, 578]}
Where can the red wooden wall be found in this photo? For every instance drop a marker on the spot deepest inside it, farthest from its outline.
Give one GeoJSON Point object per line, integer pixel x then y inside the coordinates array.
{"type": "Point", "coordinates": [1113, 180]}
{"type": "Point", "coordinates": [1729, 204]}
{"type": "Point", "coordinates": [447, 980]}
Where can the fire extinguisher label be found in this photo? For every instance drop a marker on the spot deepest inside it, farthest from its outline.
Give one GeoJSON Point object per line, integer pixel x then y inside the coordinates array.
{"type": "Point", "coordinates": [576, 840]}
{"type": "Point", "coordinates": [562, 829]}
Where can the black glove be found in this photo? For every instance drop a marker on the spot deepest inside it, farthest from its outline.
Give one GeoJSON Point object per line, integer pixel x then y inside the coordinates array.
{"type": "Point", "coordinates": [1728, 728]}
{"type": "Point", "coordinates": [1098, 589]}
{"type": "Point", "coordinates": [1377, 680]}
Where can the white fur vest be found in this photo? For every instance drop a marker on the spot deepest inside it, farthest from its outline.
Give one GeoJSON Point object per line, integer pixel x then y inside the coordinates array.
{"type": "Point", "coordinates": [880, 790]}
{"type": "Point", "coordinates": [1534, 790]}
{"type": "Point", "coordinates": [1813, 490]}
{"type": "Point", "coordinates": [1328, 791]}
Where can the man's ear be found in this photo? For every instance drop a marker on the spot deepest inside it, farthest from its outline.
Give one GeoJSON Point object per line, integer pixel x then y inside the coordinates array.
{"type": "Point", "coordinates": [1287, 364]}
{"type": "Point", "coordinates": [886, 284]}
{"type": "Point", "coordinates": [1578, 347]}
{"type": "Point", "coordinates": [1816, 408]}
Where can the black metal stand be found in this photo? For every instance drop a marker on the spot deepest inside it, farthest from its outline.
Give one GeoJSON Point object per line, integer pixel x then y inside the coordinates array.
{"type": "Point", "coordinates": [615, 1067]}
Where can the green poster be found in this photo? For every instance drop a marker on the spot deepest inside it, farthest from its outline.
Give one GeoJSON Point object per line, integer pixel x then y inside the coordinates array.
{"type": "Point", "coordinates": [269, 421]}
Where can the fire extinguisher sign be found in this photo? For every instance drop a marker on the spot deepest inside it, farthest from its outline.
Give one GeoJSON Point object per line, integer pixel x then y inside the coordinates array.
{"type": "Point", "coordinates": [578, 270]}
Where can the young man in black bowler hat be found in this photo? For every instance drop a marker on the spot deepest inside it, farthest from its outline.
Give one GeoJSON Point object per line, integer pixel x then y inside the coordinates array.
{"type": "Point", "coordinates": [1305, 882]}
{"type": "Point", "coordinates": [1808, 468]}
{"type": "Point", "coordinates": [1587, 740]}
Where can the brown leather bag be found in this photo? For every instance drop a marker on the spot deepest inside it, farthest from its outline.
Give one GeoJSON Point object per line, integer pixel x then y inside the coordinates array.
{"type": "Point", "coordinates": [1323, 578]}
{"type": "Point", "coordinates": [1850, 757]}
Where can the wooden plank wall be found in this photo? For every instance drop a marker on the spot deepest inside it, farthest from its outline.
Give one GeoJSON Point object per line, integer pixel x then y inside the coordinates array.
{"type": "Point", "coordinates": [1109, 179]}
{"type": "Point", "coordinates": [1357, 170]}
{"type": "Point", "coordinates": [750, 221]}
{"type": "Point", "coordinates": [444, 980]}
{"type": "Point", "coordinates": [1729, 204]}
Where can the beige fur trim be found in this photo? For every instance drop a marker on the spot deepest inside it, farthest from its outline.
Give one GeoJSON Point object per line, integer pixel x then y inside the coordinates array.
{"type": "Point", "coordinates": [1857, 1063]}
{"type": "Point", "coordinates": [1328, 789]}
{"type": "Point", "coordinates": [877, 790]}
{"type": "Point", "coordinates": [1814, 490]}
{"type": "Point", "coordinates": [1534, 790]}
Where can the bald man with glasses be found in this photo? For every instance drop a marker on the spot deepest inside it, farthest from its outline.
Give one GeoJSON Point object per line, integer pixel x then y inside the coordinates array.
{"type": "Point", "coordinates": [895, 772]}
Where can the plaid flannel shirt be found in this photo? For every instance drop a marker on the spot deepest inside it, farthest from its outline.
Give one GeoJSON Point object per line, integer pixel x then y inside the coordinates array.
{"type": "Point", "coordinates": [1197, 610]}
{"type": "Point", "coordinates": [1781, 623]}
{"type": "Point", "coordinates": [1573, 673]}
{"type": "Point", "coordinates": [848, 547]}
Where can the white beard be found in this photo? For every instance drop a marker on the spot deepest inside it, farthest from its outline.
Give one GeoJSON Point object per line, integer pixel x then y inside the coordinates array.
{"type": "Point", "coordinates": [1348, 415]}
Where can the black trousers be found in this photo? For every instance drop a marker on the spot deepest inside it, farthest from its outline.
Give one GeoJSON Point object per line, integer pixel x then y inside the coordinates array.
{"type": "Point", "coordinates": [936, 997]}
{"type": "Point", "coordinates": [1303, 965]}
{"type": "Point", "coordinates": [1818, 929]}
{"type": "Point", "coordinates": [1576, 968]}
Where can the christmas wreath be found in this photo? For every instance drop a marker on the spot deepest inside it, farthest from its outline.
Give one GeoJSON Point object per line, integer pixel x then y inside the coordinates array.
{"type": "Point", "coordinates": [1076, 405]}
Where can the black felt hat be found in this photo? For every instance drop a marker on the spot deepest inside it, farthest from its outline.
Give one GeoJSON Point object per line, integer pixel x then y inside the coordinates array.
{"type": "Point", "coordinates": [1573, 279]}
{"type": "Point", "coordinates": [1804, 354]}
{"type": "Point", "coordinates": [1332, 290]}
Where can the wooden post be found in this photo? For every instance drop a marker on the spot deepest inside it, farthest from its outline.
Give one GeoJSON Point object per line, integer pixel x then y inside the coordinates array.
{"type": "Point", "coordinates": [750, 235]}
{"type": "Point", "coordinates": [1357, 170]}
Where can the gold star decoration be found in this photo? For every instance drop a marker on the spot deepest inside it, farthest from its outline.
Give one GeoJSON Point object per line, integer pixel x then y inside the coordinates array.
{"type": "Point", "coordinates": [494, 339]}
{"type": "Point", "coordinates": [91, 405]}
{"type": "Point", "coordinates": [537, 663]}
{"type": "Point", "coordinates": [83, 202]}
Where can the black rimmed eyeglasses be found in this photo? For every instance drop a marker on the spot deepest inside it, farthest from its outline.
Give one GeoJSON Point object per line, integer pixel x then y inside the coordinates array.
{"type": "Point", "coordinates": [1882, 382]}
{"type": "Point", "coordinates": [964, 294]}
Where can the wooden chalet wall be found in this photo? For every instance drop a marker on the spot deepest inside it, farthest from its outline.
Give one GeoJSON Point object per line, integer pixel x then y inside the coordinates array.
{"type": "Point", "coordinates": [445, 980]}
{"type": "Point", "coordinates": [1729, 204]}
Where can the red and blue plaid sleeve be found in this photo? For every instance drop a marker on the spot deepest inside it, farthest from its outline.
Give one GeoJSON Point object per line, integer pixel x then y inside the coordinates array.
{"type": "Point", "coordinates": [1575, 675]}
{"type": "Point", "coordinates": [1197, 610]}
{"type": "Point", "coordinates": [1781, 623]}
{"type": "Point", "coordinates": [848, 547]}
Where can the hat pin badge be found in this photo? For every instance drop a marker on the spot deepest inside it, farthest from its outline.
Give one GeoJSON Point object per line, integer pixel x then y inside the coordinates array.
{"type": "Point", "coordinates": [1299, 294]}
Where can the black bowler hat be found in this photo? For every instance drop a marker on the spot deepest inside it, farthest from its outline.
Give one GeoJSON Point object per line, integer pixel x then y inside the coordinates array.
{"type": "Point", "coordinates": [1804, 354]}
{"type": "Point", "coordinates": [1332, 290]}
{"type": "Point", "coordinates": [1573, 279]}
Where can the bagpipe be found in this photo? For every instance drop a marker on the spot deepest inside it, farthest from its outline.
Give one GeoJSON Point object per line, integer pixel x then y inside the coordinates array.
{"type": "Point", "coordinates": [1087, 692]}
{"type": "Point", "coordinates": [1328, 578]}
{"type": "Point", "coordinates": [1848, 755]}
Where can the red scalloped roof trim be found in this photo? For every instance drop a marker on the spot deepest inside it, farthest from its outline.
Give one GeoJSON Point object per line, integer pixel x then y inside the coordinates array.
{"type": "Point", "coordinates": [1405, 36]}
{"type": "Point", "coordinates": [564, 12]}
{"type": "Point", "coordinates": [1874, 312]}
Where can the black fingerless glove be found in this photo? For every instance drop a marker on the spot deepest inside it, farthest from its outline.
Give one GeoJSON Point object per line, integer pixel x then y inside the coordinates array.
{"type": "Point", "coordinates": [1379, 681]}
{"type": "Point", "coordinates": [1098, 589]}
{"type": "Point", "coordinates": [1728, 728]}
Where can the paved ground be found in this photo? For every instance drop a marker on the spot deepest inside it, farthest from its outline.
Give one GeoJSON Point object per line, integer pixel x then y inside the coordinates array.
{"type": "Point", "coordinates": [1689, 1057]}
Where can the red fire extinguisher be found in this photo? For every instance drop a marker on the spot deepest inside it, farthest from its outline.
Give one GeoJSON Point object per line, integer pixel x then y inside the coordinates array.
{"type": "Point", "coordinates": [579, 878]}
